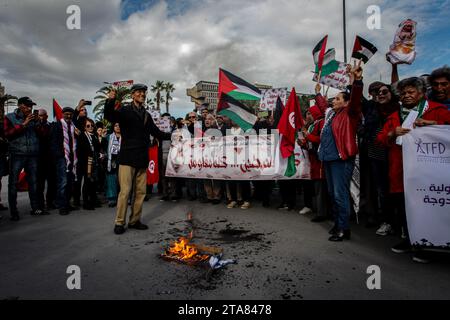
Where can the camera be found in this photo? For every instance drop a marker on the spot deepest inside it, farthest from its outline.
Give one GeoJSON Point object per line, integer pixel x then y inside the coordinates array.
{"type": "Point", "coordinates": [87, 102]}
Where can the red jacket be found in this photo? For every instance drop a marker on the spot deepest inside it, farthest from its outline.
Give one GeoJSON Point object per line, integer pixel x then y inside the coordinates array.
{"type": "Point", "coordinates": [317, 171]}
{"type": "Point", "coordinates": [435, 112]}
{"type": "Point", "coordinates": [345, 123]}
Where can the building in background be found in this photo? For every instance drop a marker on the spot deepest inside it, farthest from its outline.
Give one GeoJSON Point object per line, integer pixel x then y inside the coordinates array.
{"type": "Point", "coordinates": [205, 94]}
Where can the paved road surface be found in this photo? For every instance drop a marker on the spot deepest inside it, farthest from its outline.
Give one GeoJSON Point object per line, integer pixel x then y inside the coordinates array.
{"type": "Point", "coordinates": [281, 255]}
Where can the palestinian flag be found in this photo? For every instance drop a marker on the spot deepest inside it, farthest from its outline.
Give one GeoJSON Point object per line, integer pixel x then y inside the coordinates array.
{"type": "Point", "coordinates": [57, 111]}
{"type": "Point", "coordinates": [236, 87]}
{"type": "Point", "coordinates": [291, 120]}
{"type": "Point", "coordinates": [319, 52]}
{"type": "Point", "coordinates": [236, 111]}
{"type": "Point", "coordinates": [329, 65]}
{"type": "Point", "coordinates": [363, 49]}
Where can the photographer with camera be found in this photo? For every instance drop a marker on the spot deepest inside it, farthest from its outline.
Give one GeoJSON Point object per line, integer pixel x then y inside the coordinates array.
{"type": "Point", "coordinates": [80, 115]}
{"type": "Point", "coordinates": [23, 129]}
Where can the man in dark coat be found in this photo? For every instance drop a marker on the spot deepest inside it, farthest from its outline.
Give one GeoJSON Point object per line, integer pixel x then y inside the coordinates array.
{"type": "Point", "coordinates": [136, 126]}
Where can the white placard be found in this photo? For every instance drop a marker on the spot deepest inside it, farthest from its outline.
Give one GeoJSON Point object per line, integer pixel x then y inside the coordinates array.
{"type": "Point", "coordinates": [426, 170]}
{"type": "Point", "coordinates": [269, 98]}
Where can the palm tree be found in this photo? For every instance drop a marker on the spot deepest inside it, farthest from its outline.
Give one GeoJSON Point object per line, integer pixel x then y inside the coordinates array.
{"type": "Point", "coordinates": [157, 88]}
{"type": "Point", "coordinates": [122, 93]}
{"type": "Point", "coordinates": [168, 88]}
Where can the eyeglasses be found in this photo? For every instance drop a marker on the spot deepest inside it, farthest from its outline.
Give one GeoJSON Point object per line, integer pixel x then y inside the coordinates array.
{"type": "Point", "coordinates": [89, 126]}
{"type": "Point", "coordinates": [383, 92]}
{"type": "Point", "coordinates": [192, 117]}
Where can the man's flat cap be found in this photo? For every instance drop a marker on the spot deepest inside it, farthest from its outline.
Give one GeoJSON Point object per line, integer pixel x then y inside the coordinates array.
{"type": "Point", "coordinates": [139, 86]}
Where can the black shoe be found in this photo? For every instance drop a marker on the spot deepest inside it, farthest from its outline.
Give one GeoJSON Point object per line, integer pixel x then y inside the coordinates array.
{"type": "Point", "coordinates": [266, 204]}
{"type": "Point", "coordinates": [215, 201]}
{"type": "Point", "coordinates": [192, 198]}
{"type": "Point", "coordinates": [39, 212]}
{"type": "Point", "coordinates": [147, 197]}
{"type": "Point", "coordinates": [402, 247]}
{"type": "Point", "coordinates": [119, 229]}
{"type": "Point", "coordinates": [14, 217]}
{"type": "Point", "coordinates": [340, 236]}
{"type": "Point", "coordinates": [174, 199]}
{"type": "Point", "coordinates": [283, 206]}
{"type": "Point", "coordinates": [333, 230]}
{"type": "Point", "coordinates": [319, 219]}
{"type": "Point", "coordinates": [422, 257]}
{"type": "Point", "coordinates": [112, 204]}
{"type": "Point", "coordinates": [64, 211]}
{"type": "Point", "coordinates": [165, 198]}
{"type": "Point", "coordinates": [138, 226]}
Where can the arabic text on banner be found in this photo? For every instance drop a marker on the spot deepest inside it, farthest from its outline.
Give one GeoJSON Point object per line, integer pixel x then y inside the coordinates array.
{"type": "Point", "coordinates": [426, 165]}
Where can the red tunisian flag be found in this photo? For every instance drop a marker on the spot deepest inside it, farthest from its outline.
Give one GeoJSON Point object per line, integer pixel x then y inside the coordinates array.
{"type": "Point", "coordinates": [57, 111]}
{"type": "Point", "coordinates": [152, 170]}
{"type": "Point", "coordinates": [291, 120]}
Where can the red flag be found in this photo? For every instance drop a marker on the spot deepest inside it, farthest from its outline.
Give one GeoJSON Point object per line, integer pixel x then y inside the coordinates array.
{"type": "Point", "coordinates": [152, 170]}
{"type": "Point", "coordinates": [57, 111]}
{"type": "Point", "coordinates": [290, 121]}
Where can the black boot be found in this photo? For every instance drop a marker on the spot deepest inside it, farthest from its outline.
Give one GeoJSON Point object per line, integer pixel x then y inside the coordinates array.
{"type": "Point", "coordinates": [340, 236]}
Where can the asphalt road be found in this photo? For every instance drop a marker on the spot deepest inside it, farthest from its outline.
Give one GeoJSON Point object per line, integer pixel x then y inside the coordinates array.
{"type": "Point", "coordinates": [280, 255]}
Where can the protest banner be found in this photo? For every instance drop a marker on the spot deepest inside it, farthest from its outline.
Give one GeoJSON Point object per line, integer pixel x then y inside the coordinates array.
{"type": "Point", "coordinates": [269, 98]}
{"type": "Point", "coordinates": [163, 123]}
{"type": "Point", "coordinates": [338, 80]}
{"type": "Point", "coordinates": [402, 50]}
{"type": "Point", "coordinates": [126, 83]}
{"type": "Point", "coordinates": [426, 170]}
{"type": "Point", "coordinates": [252, 157]}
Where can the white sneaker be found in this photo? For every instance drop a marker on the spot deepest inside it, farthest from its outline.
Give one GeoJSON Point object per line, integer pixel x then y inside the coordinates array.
{"type": "Point", "coordinates": [245, 205]}
{"type": "Point", "coordinates": [305, 210]}
{"type": "Point", "coordinates": [384, 229]}
{"type": "Point", "coordinates": [232, 204]}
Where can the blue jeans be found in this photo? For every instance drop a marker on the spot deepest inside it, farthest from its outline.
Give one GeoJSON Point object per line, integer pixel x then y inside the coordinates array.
{"type": "Point", "coordinates": [339, 174]}
{"type": "Point", "coordinates": [30, 165]}
{"type": "Point", "coordinates": [64, 184]}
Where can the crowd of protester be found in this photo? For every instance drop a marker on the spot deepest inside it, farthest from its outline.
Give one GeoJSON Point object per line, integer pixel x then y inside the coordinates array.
{"type": "Point", "coordinates": [76, 158]}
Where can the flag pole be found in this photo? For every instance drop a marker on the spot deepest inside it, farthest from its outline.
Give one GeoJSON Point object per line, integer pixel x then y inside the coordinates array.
{"type": "Point", "coordinates": [345, 32]}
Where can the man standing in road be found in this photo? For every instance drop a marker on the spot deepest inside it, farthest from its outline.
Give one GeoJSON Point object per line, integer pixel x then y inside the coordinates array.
{"type": "Point", "coordinates": [136, 126]}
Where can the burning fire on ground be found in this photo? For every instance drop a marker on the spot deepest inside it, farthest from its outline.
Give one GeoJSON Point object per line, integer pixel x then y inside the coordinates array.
{"type": "Point", "coordinates": [183, 251]}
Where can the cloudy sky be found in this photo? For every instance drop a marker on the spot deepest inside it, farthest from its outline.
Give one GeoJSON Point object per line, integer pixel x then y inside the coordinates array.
{"type": "Point", "coordinates": [184, 41]}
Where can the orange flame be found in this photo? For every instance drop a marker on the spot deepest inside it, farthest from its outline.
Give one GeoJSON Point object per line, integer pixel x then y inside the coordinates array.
{"type": "Point", "coordinates": [184, 251]}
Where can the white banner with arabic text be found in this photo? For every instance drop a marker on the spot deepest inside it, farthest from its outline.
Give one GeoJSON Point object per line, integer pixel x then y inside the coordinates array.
{"type": "Point", "coordinates": [252, 157]}
{"type": "Point", "coordinates": [426, 165]}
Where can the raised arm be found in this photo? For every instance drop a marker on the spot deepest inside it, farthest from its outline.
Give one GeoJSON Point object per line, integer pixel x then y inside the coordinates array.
{"type": "Point", "coordinates": [355, 104]}
{"type": "Point", "coordinates": [321, 101]}
{"type": "Point", "coordinates": [109, 111]}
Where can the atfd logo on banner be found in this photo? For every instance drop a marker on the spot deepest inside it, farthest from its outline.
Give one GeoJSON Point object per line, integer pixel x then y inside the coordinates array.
{"type": "Point", "coordinates": [426, 169]}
